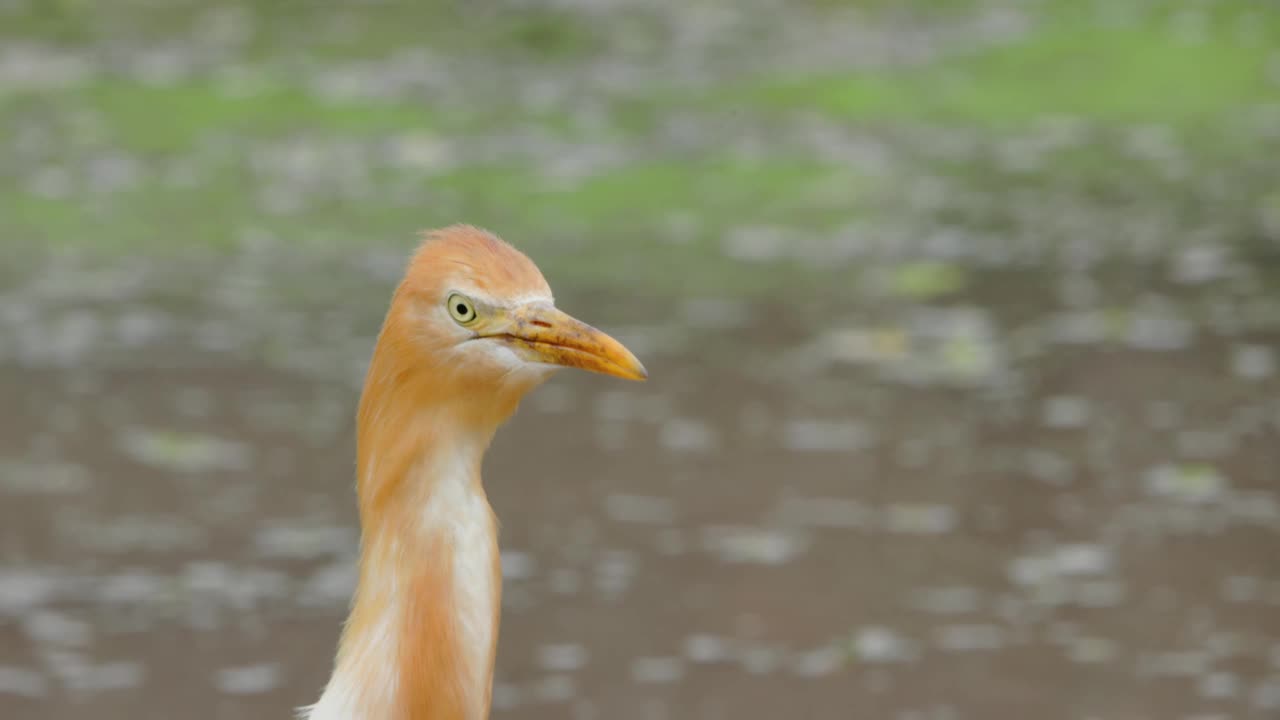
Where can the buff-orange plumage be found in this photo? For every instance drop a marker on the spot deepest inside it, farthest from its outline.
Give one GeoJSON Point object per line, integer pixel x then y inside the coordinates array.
{"type": "Point", "coordinates": [471, 329]}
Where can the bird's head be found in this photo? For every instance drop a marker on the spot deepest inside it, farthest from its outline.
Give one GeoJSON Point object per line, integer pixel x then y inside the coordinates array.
{"type": "Point", "coordinates": [474, 313]}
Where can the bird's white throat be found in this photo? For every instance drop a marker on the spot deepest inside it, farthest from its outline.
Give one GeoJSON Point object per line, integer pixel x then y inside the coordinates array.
{"type": "Point", "coordinates": [455, 517]}
{"type": "Point", "coordinates": [459, 511]}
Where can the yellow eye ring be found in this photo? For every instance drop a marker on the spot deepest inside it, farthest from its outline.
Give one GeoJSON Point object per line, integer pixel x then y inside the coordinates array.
{"type": "Point", "coordinates": [462, 310]}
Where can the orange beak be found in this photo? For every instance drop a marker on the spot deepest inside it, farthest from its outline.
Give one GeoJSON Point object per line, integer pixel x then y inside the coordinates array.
{"type": "Point", "coordinates": [544, 334]}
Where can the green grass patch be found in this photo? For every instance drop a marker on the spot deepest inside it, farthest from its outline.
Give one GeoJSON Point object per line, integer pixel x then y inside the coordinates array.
{"type": "Point", "coordinates": [614, 227]}
{"type": "Point", "coordinates": [175, 118]}
{"type": "Point", "coordinates": [1160, 68]}
{"type": "Point", "coordinates": [661, 219]}
{"type": "Point", "coordinates": [331, 30]}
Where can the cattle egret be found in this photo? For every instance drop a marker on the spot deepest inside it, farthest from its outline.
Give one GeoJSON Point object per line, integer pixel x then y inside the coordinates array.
{"type": "Point", "coordinates": [471, 329]}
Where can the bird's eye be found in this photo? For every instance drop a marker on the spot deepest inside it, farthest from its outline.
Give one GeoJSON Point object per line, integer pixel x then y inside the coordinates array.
{"type": "Point", "coordinates": [463, 312]}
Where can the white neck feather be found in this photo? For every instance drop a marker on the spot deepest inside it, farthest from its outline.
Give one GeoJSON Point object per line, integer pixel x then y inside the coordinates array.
{"type": "Point", "coordinates": [367, 678]}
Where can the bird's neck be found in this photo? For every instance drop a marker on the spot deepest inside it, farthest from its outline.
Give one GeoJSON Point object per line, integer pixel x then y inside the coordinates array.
{"type": "Point", "coordinates": [420, 640]}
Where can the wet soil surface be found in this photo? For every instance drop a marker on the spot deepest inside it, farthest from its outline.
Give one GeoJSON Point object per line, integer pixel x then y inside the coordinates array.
{"type": "Point", "coordinates": [993, 505]}
{"type": "Point", "coordinates": [962, 322]}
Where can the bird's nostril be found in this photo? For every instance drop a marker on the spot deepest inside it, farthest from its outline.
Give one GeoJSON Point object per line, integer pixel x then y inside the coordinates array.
{"type": "Point", "coordinates": [541, 323]}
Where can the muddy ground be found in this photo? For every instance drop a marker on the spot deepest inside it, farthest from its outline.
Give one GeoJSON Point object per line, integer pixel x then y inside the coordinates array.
{"type": "Point", "coordinates": [961, 320]}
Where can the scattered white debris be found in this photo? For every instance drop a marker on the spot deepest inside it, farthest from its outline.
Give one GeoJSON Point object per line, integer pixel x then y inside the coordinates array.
{"type": "Point", "coordinates": [518, 565]}
{"type": "Point", "coordinates": [640, 509]}
{"type": "Point", "coordinates": [22, 681]}
{"type": "Point", "coordinates": [657, 670]}
{"type": "Point", "coordinates": [1200, 264]}
{"type": "Point", "coordinates": [21, 590]}
{"type": "Point", "coordinates": [555, 689]}
{"type": "Point", "coordinates": [1191, 483]}
{"type": "Point", "coordinates": [48, 627]}
{"type": "Point", "coordinates": [970, 637]}
{"type": "Point", "coordinates": [507, 696]}
{"type": "Point", "coordinates": [760, 660]}
{"type": "Point", "coordinates": [1218, 686]}
{"type": "Point", "coordinates": [249, 679]}
{"type": "Point", "coordinates": [818, 662]}
{"type": "Point", "coordinates": [1191, 663]}
{"type": "Point", "coordinates": [865, 346]}
{"type": "Point", "coordinates": [85, 676]}
{"type": "Point", "coordinates": [184, 452]}
{"type": "Point", "coordinates": [1066, 412]}
{"type": "Point", "coordinates": [1049, 467]}
{"type": "Point", "coordinates": [613, 571]}
{"type": "Point", "coordinates": [1081, 559]}
{"type": "Point", "coordinates": [702, 648]}
{"type": "Point", "coordinates": [1091, 650]}
{"type": "Point", "coordinates": [1159, 328]}
{"type": "Point", "coordinates": [752, 545]}
{"type": "Point", "coordinates": [919, 519]}
{"type": "Point", "coordinates": [1242, 588]}
{"type": "Point", "coordinates": [329, 586]}
{"type": "Point", "coordinates": [1083, 327]}
{"type": "Point", "coordinates": [304, 542]}
{"type": "Point", "coordinates": [826, 436]}
{"type": "Point", "coordinates": [1266, 694]}
{"type": "Point", "coordinates": [954, 600]}
{"type": "Point", "coordinates": [1253, 362]}
{"type": "Point", "coordinates": [562, 657]}
{"type": "Point", "coordinates": [875, 644]}
{"type": "Point", "coordinates": [687, 435]}
{"type": "Point", "coordinates": [48, 478]}
{"type": "Point", "coordinates": [132, 587]}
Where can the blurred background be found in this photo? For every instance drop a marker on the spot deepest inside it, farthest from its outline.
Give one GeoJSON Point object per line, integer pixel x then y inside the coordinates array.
{"type": "Point", "coordinates": [961, 318]}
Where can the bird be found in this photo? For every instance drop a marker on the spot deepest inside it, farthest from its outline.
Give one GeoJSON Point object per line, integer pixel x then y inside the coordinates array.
{"type": "Point", "coordinates": [471, 329]}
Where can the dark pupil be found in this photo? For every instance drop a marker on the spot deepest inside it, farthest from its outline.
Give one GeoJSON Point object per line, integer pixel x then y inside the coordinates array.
{"type": "Point", "coordinates": [462, 309]}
